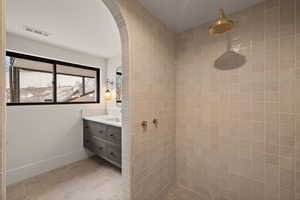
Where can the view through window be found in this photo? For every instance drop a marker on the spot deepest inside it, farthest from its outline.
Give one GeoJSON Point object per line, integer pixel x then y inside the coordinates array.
{"type": "Point", "coordinates": [34, 80]}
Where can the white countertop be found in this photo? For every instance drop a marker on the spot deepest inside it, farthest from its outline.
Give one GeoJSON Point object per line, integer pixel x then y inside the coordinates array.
{"type": "Point", "coordinates": [106, 119]}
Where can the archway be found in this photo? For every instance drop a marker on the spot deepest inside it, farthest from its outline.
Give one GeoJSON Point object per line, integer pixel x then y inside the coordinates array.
{"type": "Point", "coordinates": [113, 7]}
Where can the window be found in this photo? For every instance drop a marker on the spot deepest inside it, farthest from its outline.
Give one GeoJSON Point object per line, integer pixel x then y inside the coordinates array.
{"type": "Point", "coordinates": [75, 84]}
{"type": "Point", "coordinates": [35, 86]}
{"type": "Point", "coordinates": [33, 80]}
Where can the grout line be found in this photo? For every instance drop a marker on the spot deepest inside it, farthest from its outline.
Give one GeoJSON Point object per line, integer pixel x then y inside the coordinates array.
{"type": "Point", "coordinates": [265, 97]}
{"type": "Point", "coordinates": [189, 190]}
{"type": "Point", "coordinates": [294, 67]}
{"type": "Point", "coordinates": [279, 96]}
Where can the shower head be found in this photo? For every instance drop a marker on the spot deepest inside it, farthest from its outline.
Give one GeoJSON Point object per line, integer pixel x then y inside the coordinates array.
{"type": "Point", "coordinates": [221, 25]}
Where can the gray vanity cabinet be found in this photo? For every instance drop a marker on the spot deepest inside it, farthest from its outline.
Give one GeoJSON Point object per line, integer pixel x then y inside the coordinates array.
{"type": "Point", "coordinates": [103, 140]}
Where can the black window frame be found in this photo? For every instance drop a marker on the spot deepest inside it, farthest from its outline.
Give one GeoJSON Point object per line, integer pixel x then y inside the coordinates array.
{"type": "Point", "coordinates": [55, 63]}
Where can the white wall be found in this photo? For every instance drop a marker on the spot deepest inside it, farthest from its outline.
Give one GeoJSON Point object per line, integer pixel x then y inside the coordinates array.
{"type": "Point", "coordinates": [41, 138]}
{"type": "Point", "coordinates": [112, 64]}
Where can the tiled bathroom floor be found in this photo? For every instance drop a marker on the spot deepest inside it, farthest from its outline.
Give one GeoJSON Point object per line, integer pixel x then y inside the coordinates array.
{"type": "Point", "coordinates": [90, 179]}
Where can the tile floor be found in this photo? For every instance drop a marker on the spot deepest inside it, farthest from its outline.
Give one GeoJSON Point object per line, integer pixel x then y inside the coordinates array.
{"type": "Point", "coordinates": [178, 193]}
{"type": "Point", "coordinates": [90, 179]}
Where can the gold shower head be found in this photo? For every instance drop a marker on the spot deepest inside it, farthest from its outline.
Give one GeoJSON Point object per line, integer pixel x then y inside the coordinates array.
{"type": "Point", "coordinates": [221, 25]}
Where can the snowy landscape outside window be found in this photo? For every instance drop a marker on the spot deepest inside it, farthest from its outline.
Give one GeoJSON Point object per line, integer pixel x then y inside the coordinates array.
{"type": "Point", "coordinates": [33, 80]}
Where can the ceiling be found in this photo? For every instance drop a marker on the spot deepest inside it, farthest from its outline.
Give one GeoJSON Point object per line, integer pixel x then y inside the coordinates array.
{"type": "Point", "coordinates": [82, 25]}
{"type": "Point", "coordinates": [87, 25]}
{"type": "Point", "coordinates": [180, 15]}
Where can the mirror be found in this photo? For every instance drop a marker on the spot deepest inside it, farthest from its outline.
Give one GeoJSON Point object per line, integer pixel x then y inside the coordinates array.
{"type": "Point", "coordinates": [119, 86]}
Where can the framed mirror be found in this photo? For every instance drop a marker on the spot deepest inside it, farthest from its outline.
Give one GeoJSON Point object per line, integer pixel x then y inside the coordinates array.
{"type": "Point", "coordinates": [119, 86]}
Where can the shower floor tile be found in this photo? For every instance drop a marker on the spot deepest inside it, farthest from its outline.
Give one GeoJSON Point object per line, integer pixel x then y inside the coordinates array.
{"type": "Point", "coordinates": [90, 179]}
{"type": "Point", "coordinates": [179, 193]}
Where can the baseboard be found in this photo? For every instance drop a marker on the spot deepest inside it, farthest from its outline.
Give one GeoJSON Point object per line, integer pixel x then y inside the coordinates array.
{"type": "Point", "coordinates": [33, 169]}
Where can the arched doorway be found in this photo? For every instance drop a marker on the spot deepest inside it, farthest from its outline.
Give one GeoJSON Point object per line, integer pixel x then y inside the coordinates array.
{"type": "Point", "coordinates": [114, 8]}
{"type": "Point", "coordinates": [120, 21]}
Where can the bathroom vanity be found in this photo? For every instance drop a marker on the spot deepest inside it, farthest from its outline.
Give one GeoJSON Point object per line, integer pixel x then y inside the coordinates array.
{"type": "Point", "coordinates": [102, 135]}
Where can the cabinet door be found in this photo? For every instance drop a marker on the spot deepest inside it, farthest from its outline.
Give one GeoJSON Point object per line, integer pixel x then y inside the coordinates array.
{"type": "Point", "coordinates": [114, 135]}
{"type": "Point", "coordinates": [96, 129]}
{"type": "Point", "coordinates": [87, 137]}
{"type": "Point", "coordinates": [113, 154]}
{"type": "Point", "coordinates": [99, 147]}
{"type": "Point", "coordinates": [88, 143]}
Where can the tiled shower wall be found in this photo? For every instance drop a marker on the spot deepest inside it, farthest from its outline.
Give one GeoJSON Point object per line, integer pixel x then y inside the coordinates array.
{"type": "Point", "coordinates": [238, 129]}
{"type": "Point", "coordinates": [151, 95]}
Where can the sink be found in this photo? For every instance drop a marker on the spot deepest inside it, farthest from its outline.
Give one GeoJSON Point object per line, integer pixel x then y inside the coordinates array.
{"type": "Point", "coordinates": [106, 119]}
{"type": "Point", "coordinates": [115, 119]}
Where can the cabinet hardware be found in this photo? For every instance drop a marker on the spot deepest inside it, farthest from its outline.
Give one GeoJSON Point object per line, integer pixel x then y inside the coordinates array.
{"type": "Point", "coordinates": [144, 124]}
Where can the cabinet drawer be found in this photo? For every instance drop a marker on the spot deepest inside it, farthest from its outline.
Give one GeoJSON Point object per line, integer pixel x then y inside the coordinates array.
{"type": "Point", "coordinates": [87, 139]}
{"type": "Point", "coordinates": [96, 129]}
{"type": "Point", "coordinates": [114, 134]}
{"type": "Point", "coordinates": [88, 143]}
{"type": "Point", "coordinates": [99, 147]}
{"type": "Point", "coordinates": [114, 154]}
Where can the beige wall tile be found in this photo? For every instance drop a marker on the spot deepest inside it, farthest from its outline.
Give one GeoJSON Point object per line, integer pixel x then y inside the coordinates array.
{"type": "Point", "coordinates": [271, 4]}
{"type": "Point", "coordinates": [150, 73]}
{"type": "Point", "coordinates": [262, 96]}
{"type": "Point", "coordinates": [287, 17]}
